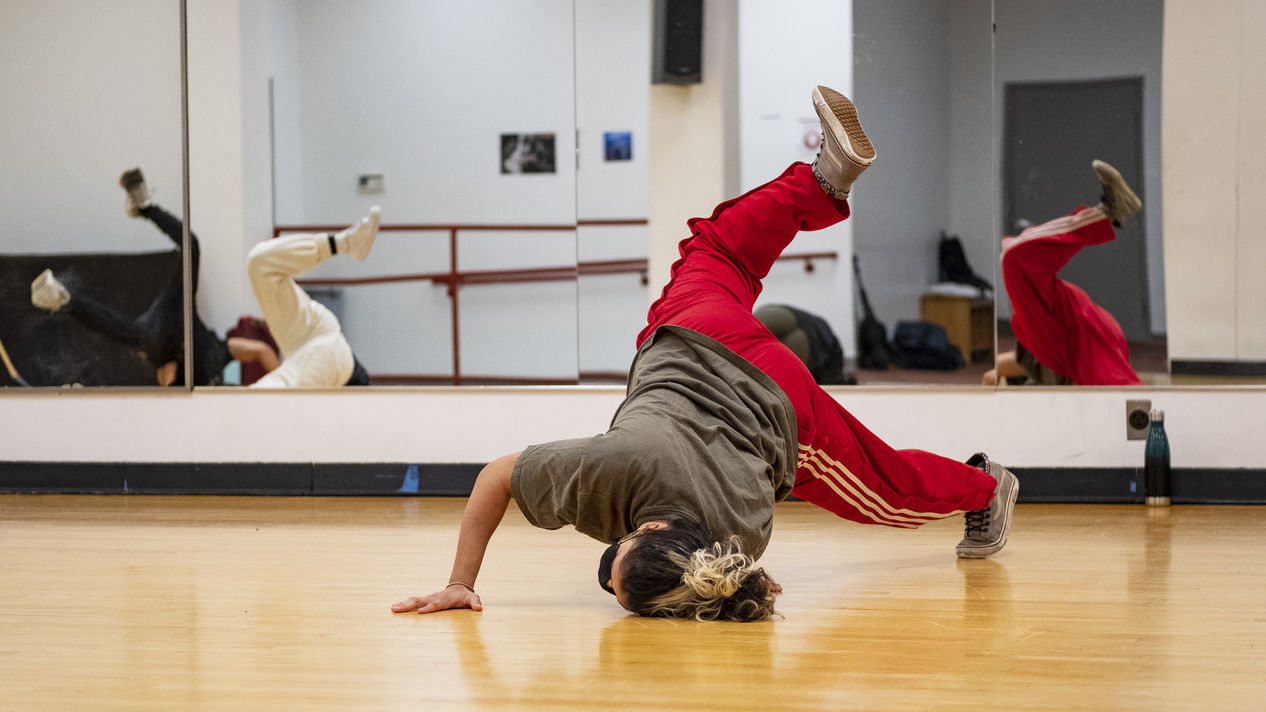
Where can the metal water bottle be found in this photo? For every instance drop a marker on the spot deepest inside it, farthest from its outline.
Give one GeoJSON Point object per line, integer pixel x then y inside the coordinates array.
{"type": "Point", "coordinates": [1156, 462]}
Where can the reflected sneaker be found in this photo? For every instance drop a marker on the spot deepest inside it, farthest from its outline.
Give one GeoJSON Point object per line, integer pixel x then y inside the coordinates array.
{"type": "Point", "coordinates": [358, 239]}
{"type": "Point", "coordinates": [986, 529]}
{"type": "Point", "coordinates": [846, 151]}
{"type": "Point", "coordinates": [133, 183]}
{"type": "Point", "coordinates": [48, 293]}
{"type": "Point", "coordinates": [1115, 198]}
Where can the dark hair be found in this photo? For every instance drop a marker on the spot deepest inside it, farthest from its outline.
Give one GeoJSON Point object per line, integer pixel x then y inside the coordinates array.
{"type": "Point", "coordinates": [680, 572]}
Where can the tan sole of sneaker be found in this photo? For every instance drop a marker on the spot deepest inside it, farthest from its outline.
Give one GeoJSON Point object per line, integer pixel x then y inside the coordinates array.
{"type": "Point", "coordinates": [1110, 176]}
{"type": "Point", "coordinates": [839, 114]}
{"type": "Point", "coordinates": [131, 179]}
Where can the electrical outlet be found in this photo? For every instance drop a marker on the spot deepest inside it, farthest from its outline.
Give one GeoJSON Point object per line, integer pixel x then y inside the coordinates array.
{"type": "Point", "coordinates": [1138, 419]}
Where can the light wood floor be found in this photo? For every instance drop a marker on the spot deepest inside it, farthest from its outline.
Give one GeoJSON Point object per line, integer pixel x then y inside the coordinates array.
{"type": "Point", "coordinates": [168, 603]}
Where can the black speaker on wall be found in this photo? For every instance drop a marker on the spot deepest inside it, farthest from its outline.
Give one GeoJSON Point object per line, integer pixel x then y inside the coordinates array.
{"type": "Point", "coordinates": [677, 57]}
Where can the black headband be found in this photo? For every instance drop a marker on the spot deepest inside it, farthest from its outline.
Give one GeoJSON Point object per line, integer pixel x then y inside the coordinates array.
{"type": "Point", "coordinates": [604, 566]}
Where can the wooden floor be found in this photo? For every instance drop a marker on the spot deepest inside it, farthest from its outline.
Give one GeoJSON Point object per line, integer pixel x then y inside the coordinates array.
{"type": "Point", "coordinates": [220, 603]}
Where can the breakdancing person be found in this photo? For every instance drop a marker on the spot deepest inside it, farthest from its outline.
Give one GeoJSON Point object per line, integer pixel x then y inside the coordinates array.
{"type": "Point", "coordinates": [158, 332]}
{"type": "Point", "coordinates": [1062, 336]}
{"type": "Point", "coordinates": [721, 421]}
{"type": "Point", "coordinates": [314, 351]}
{"type": "Point", "coordinates": [316, 354]}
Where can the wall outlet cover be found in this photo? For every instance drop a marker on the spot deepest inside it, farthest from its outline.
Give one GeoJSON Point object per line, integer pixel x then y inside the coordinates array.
{"type": "Point", "coordinates": [1138, 419]}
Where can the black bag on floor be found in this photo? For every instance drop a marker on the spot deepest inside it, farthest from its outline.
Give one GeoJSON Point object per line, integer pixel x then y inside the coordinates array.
{"type": "Point", "coordinates": [952, 264]}
{"type": "Point", "coordinates": [922, 344]}
{"type": "Point", "coordinates": [873, 349]}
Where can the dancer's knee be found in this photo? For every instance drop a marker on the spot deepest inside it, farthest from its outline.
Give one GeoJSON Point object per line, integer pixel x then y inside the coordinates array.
{"type": "Point", "coordinates": [260, 263]}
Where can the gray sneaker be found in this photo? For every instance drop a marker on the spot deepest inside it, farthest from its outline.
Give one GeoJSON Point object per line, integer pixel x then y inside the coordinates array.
{"type": "Point", "coordinates": [133, 183]}
{"type": "Point", "coordinates": [48, 293]}
{"type": "Point", "coordinates": [846, 151]}
{"type": "Point", "coordinates": [1116, 198]}
{"type": "Point", "coordinates": [986, 530]}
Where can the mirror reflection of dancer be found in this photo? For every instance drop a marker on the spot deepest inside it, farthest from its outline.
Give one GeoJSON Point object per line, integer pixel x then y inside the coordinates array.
{"type": "Point", "coordinates": [158, 333]}
{"type": "Point", "coordinates": [1062, 336]}
{"type": "Point", "coordinates": [315, 350]}
{"type": "Point", "coordinates": [720, 422]}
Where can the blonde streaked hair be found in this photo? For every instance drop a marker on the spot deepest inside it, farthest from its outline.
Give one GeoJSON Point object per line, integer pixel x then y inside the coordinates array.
{"type": "Point", "coordinates": [676, 573]}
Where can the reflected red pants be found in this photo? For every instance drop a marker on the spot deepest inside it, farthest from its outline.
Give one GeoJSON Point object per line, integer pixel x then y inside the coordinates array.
{"type": "Point", "coordinates": [841, 466]}
{"type": "Point", "coordinates": [1056, 320]}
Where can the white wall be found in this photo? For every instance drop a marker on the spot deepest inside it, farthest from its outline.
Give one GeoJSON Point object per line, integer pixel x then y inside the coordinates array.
{"type": "Point", "coordinates": [924, 92]}
{"type": "Point", "coordinates": [217, 161]}
{"type": "Point", "coordinates": [780, 61]}
{"type": "Point", "coordinates": [693, 155]}
{"type": "Point", "coordinates": [1215, 143]}
{"type": "Point", "coordinates": [1066, 427]}
{"type": "Point", "coordinates": [268, 53]}
{"type": "Point", "coordinates": [89, 90]}
{"type": "Point", "coordinates": [613, 63]}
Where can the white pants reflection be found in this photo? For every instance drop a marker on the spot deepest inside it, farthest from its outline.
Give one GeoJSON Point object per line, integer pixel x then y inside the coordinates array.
{"type": "Point", "coordinates": [312, 346]}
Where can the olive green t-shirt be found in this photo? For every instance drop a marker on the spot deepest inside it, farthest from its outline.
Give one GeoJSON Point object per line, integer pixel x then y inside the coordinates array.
{"type": "Point", "coordinates": [701, 434]}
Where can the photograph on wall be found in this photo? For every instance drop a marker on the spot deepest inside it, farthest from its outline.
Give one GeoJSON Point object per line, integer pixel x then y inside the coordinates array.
{"type": "Point", "coordinates": [527, 153]}
{"type": "Point", "coordinates": [617, 145]}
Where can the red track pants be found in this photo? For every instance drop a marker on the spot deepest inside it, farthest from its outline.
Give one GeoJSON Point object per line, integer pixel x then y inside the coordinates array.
{"type": "Point", "coordinates": [1056, 320]}
{"type": "Point", "coordinates": [841, 466]}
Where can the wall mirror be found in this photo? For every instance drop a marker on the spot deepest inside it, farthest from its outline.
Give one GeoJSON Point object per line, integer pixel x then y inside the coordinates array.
{"type": "Point", "coordinates": [1078, 81]}
{"type": "Point", "coordinates": [457, 119]}
{"type": "Point", "coordinates": [91, 90]}
{"type": "Point", "coordinates": [523, 261]}
{"type": "Point", "coordinates": [922, 77]}
{"type": "Point", "coordinates": [923, 236]}
{"type": "Point", "coordinates": [933, 85]}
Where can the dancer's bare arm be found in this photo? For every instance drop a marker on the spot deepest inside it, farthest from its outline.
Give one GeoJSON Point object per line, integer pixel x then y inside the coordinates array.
{"type": "Point", "coordinates": [487, 505]}
{"type": "Point", "coordinates": [249, 350]}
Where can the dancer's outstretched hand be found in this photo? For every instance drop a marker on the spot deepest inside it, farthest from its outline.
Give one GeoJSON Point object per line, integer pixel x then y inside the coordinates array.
{"type": "Point", "coordinates": [449, 598]}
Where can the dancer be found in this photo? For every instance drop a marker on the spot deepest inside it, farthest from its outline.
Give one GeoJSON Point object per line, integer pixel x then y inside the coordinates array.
{"type": "Point", "coordinates": [312, 343]}
{"type": "Point", "coordinates": [1062, 336]}
{"type": "Point", "coordinates": [158, 332]}
{"type": "Point", "coordinates": [720, 422]}
{"type": "Point", "coordinates": [810, 338]}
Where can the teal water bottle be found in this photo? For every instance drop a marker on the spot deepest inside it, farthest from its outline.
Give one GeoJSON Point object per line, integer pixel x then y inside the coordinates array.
{"type": "Point", "coordinates": [1156, 463]}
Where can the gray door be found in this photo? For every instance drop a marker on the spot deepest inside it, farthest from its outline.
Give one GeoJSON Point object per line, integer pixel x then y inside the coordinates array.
{"type": "Point", "coordinates": [1052, 132]}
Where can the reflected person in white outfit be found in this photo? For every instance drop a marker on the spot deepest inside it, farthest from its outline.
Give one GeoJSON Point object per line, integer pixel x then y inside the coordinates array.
{"type": "Point", "coordinates": [313, 348]}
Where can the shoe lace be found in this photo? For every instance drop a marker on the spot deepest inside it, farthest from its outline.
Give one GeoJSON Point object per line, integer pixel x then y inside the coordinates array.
{"type": "Point", "coordinates": [977, 521]}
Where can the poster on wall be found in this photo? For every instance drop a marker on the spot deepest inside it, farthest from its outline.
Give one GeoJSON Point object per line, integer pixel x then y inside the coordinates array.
{"type": "Point", "coordinates": [617, 146]}
{"type": "Point", "coordinates": [527, 153]}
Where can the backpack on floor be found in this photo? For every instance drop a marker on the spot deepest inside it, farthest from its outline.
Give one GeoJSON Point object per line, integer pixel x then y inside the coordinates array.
{"type": "Point", "coordinates": [922, 344]}
{"type": "Point", "coordinates": [952, 264]}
